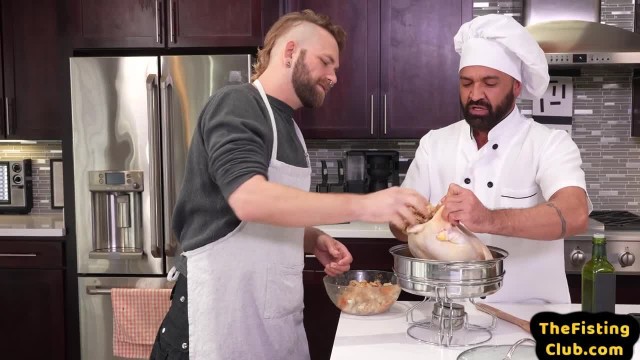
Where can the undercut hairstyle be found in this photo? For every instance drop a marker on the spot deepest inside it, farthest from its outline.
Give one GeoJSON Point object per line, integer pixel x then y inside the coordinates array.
{"type": "Point", "coordinates": [284, 24]}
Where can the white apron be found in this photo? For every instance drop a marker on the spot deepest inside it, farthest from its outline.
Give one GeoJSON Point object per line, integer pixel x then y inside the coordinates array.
{"type": "Point", "coordinates": [245, 290]}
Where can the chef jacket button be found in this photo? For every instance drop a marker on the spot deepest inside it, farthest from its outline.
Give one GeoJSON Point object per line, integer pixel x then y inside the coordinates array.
{"type": "Point", "coordinates": [490, 184]}
{"type": "Point", "coordinates": [184, 345]}
{"type": "Point", "coordinates": [467, 181]}
{"type": "Point", "coordinates": [495, 146]}
{"type": "Point", "coordinates": [182, 298]}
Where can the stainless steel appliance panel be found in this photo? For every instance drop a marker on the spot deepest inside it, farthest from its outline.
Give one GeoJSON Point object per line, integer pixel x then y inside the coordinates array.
{"type": "Point", "coordinates": [114, 115]}
{"type": "Point", "coordinates": [96, 314]}
{"type": "Point", "coordinates": [186, 84]}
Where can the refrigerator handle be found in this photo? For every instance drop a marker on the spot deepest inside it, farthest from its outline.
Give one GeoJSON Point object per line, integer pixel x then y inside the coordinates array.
{"type": "Point", "coordinates": [166, 86]}
{"type": "Point", "coordinates": [153, 100]}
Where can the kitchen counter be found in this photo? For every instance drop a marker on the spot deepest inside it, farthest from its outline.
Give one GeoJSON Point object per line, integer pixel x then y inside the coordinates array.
{"type": "Point", "coordinates": [381, 231]}
{"type": "Point", "coordinates": [42, 225]}
{"type": "Point", "coordinates": [385, 336]}
{"type": "Point", "coordinates": [357, 229]}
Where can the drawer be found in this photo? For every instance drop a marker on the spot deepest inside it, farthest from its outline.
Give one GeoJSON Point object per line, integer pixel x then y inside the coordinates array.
{"type": "Point", "coordinates": [30, 254]}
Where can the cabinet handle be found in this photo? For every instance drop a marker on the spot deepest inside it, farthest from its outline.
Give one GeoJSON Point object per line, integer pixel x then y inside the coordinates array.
{"type": "Point", "coordinates": [371, 114]}
{"type": "Point", "coordinates": [385, 114]}
{"type": "Point", "coordinates": [8, 117]}
{"type": "Point", "coordinates": [19, 255]}
{"type": "Point", "coordinates": [172, 22]}
{"type": "Point", "coordinates": [158, 23]}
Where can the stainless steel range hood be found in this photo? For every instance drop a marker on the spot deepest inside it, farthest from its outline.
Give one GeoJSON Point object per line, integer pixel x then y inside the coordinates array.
{"type": "Point", "coordinates": [570, 33]}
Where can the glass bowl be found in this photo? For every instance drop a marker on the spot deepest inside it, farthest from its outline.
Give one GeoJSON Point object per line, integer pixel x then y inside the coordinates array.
{"type": "Point", "coordinates": [363, 292]}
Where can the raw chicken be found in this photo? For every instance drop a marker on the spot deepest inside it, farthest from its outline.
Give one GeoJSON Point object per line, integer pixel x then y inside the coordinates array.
{"type": "Point", "coordinates": [438, 239]}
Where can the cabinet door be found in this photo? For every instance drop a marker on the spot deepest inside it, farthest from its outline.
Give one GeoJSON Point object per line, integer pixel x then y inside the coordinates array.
{"type": "Point", "coordinates": [118, 23]}
{"type": "Point", "coordinates": [32, 325]}
{"type": "Point", "coordinates": [419, 65]}
{"type": "Point", "coordinates": [35, 68]}
{"type": "Point", "coordinates": [320, 316]}
{"type": "Point", "coordinates": [194, 23]}
{"type": "Point", "coordinates": [351, 108]}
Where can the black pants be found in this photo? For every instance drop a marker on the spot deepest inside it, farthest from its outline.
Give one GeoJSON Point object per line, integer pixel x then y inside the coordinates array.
{"type": "Point", "coordinates": [172, 340]}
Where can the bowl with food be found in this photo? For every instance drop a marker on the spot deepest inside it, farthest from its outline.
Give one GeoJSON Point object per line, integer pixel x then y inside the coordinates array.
{"type": "Point", "coordinates": [363, 292]}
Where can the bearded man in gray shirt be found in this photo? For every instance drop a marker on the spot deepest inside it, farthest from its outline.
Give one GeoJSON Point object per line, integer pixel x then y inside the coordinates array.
{"type": "Point", "coordinates": [244, 216]}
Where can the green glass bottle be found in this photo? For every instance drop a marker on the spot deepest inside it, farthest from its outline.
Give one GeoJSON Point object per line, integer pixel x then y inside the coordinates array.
{"type": "Point", "coordinates": [595, 274]}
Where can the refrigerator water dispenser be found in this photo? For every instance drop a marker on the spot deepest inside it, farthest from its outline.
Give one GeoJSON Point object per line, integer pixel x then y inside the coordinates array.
{"type": "Point", "coordinates": [116, 214]}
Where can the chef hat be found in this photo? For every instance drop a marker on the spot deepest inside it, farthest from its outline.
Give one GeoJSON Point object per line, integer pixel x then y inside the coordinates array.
{"type": "Point", "coordinates": [501, 43]}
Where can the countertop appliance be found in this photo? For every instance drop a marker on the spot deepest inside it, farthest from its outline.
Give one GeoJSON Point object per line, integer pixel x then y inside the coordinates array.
{"type": "Point", "coordinates": [16, 187]}
{"type": "Point", "coordinates": [371, 170]}
{"type": "Point", "coordinates": [133, 118]}
{"type": "Point", "coordinates": [622, 230]}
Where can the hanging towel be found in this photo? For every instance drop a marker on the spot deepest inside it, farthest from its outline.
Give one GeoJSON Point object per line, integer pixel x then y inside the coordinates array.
{"type": "Point", "coordinates": [137, 315]}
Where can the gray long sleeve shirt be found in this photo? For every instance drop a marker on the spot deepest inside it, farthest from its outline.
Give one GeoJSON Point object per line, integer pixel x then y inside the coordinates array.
{"type": "Point", "coordinates": [231, 143]}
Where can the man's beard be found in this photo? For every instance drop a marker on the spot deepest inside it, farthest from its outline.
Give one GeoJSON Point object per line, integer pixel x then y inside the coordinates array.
{"type": "Point", "coordinates": [304, 86]}
{"type": "Point", "coordinates": [493, 116]}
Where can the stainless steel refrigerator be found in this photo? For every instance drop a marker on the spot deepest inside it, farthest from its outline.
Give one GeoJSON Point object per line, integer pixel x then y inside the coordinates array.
{"type": "Point", "coordinates": [133, 118]}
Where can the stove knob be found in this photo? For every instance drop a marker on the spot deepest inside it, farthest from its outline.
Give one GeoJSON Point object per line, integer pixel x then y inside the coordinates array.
{"type": "Point", "coordinates": [577, 257]}
{"type": "Point", "coordinates": [626, 259]}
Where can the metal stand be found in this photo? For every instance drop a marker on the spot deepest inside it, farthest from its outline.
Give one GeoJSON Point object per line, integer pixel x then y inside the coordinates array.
{"type": "Point", "coordinates": [449, 325]}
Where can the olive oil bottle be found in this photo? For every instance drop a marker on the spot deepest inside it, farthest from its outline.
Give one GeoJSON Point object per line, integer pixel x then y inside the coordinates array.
{"type": "Point", "coordinates": [598, 279]}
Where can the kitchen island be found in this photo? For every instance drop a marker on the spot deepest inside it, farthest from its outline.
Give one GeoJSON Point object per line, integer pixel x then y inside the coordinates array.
{"type": "Point", "coordinates": [384, 336]}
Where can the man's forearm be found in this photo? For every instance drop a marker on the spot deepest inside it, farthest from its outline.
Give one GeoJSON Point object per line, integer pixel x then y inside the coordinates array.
{"type": "Point", "coordinates": [565, 214]}
{"type": "Point", "coordinates": [258, 200]}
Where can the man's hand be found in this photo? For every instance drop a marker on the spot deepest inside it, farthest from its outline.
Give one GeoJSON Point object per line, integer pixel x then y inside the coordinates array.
{"type": "Point", "coordinates": [462, 206]}
{"type": "Point", "coordinates": [331, 253]}
{"type": "Point", "coordinates": [401, 207]}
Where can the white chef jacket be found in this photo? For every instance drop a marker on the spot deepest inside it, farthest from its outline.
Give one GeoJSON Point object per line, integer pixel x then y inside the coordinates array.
{"type": "Point", "coordinates": [523, 164]}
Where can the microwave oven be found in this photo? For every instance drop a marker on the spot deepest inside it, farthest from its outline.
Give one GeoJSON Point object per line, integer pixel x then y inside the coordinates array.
{"type": "Point", "coordinates": [16, 187]}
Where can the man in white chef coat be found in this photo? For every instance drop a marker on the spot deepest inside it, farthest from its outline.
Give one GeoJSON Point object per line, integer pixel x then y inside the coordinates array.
{"type": "Point", "coordinates": [515, 183]}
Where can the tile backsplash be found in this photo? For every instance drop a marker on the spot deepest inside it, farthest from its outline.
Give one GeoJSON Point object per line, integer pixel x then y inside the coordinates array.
{"type": "Point", "coordinates": [39, 154]}
{"type": "Point", "coordinates": [601, 122]}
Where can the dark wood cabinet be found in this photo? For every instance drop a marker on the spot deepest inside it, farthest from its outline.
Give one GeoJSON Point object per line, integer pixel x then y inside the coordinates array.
{"type": "Point", "coordinates": [34, 70]}
{"type": "Point", "coordinates": [118, 23]}
{"type": "Point", "coordinates": [171, 23]}
{"type": "Point", "coordinates": [419, 65]}
{"type": "Point", "coordinates": [31, 279]}
{"type": "Point", "coordinates": [198, 23]}
{"type": "Point", "coordinates": [351, 108]}
{"type": "Point", "coordinates": [398, 71]}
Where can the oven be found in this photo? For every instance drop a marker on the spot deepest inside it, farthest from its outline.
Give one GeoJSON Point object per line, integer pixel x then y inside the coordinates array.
{"type": "Point", "coordinates": [622, 230]}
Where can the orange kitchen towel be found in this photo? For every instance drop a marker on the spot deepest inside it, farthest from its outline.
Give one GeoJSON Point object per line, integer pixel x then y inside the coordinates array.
{"type": "Point", "coordinates": [137, 315]}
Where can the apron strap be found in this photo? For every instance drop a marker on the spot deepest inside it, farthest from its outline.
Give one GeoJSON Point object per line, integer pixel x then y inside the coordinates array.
{"type": "Point", "coordinates": [274, 149]}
